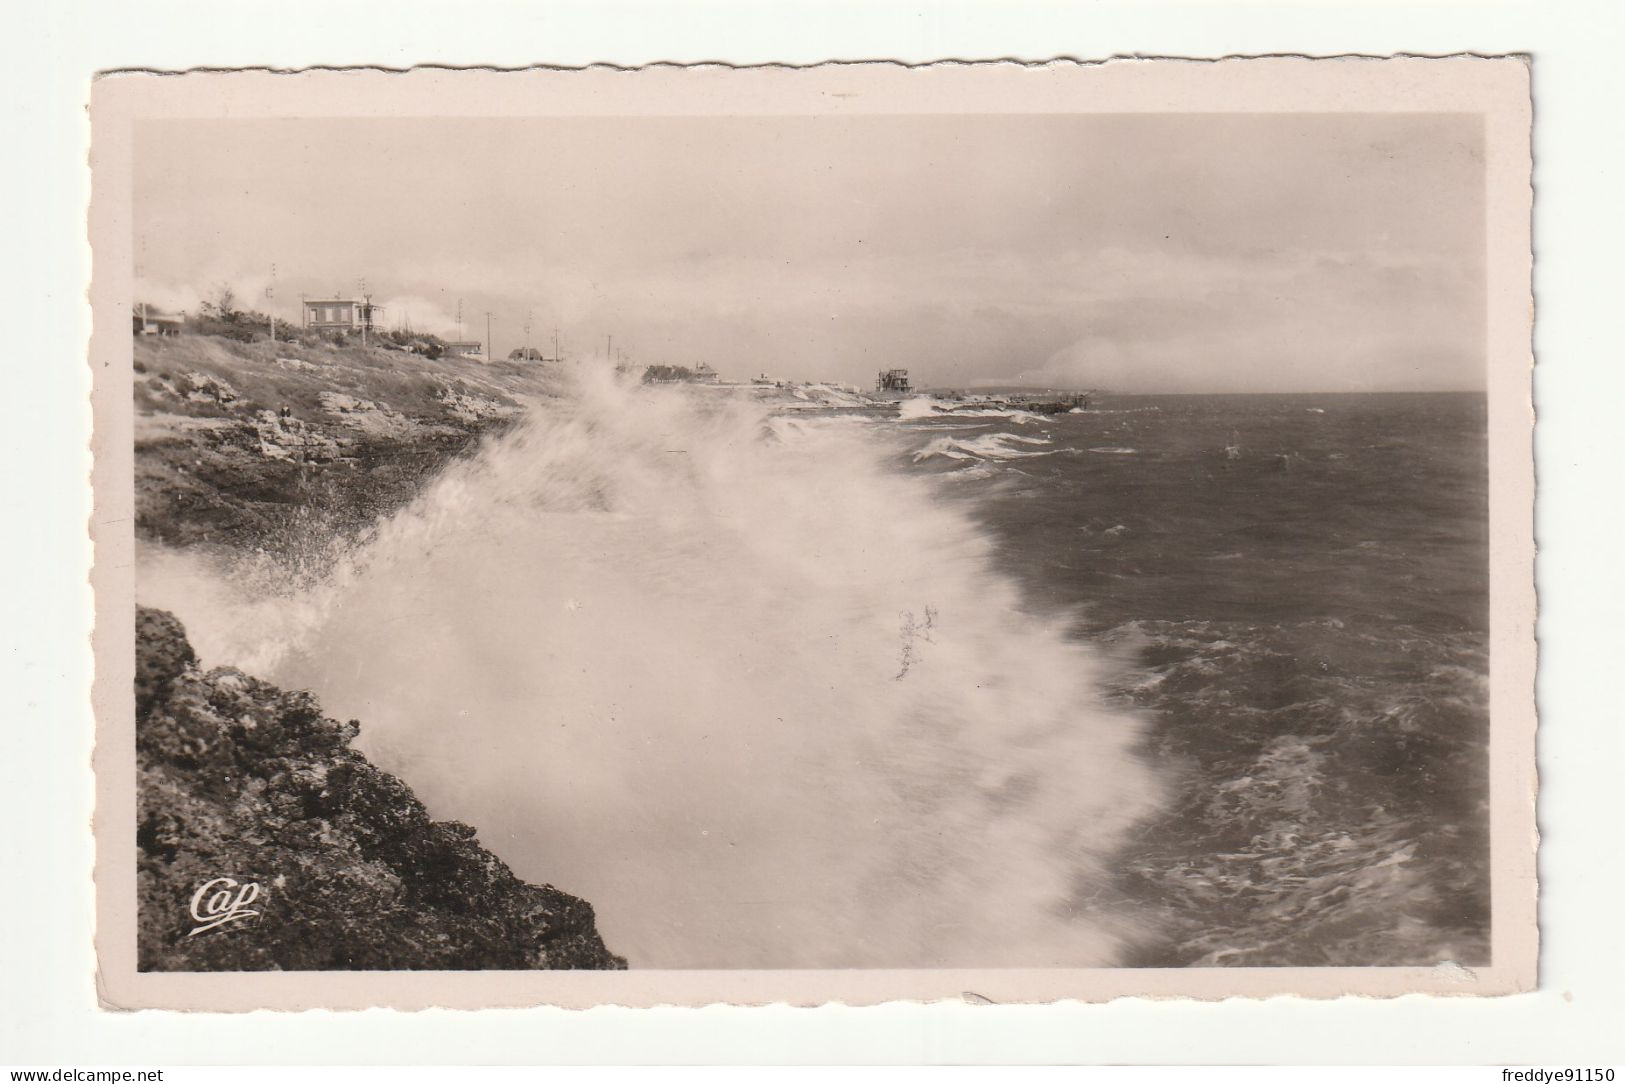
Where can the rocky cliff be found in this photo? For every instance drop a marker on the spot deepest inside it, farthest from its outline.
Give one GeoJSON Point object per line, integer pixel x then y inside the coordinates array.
{"type": "Point", "coordinates": [243, 784]}
{"type": "Point", "coordinates": [260, 445]}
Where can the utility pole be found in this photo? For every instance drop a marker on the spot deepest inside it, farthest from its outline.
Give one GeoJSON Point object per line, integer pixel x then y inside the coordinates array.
{"type": "Point", "coordinates": [527, 334]}
{"type": "Point", "coordinates": [555, 344]}
{"type": "Point", "coordinates": [270, 295]}
{"type": "Point", "coordinates": [459, 319]}
{"type": "Point", "coordinates": [366, 313]}
{"type": "Point", "coordinates": [609, 348]}
{"type": "Point", "coordinates": [488, 355]}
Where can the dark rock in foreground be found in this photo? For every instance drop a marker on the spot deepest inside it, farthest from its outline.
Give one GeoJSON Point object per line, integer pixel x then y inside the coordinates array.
{"type": "Point", "coordinates": [241, 780]}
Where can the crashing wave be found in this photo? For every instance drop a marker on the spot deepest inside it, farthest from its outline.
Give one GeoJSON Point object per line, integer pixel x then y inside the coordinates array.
{"type": "Point", "coordinates": [989, 446]}
{"type": "Point", "coordinates": [763, 698]}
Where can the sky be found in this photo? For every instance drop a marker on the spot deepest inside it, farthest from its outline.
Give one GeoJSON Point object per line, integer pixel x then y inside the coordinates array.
{"type": "Point", "coordinates": [1131, 253]}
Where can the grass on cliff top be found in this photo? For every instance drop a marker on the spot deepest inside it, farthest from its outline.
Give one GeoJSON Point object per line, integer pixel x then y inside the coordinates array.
{"type": "Point", "coordinates": [410, 384]}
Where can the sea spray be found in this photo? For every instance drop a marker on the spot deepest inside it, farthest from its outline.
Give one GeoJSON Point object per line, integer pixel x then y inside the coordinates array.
{"type": "Point", "coordinates": [761, 696]}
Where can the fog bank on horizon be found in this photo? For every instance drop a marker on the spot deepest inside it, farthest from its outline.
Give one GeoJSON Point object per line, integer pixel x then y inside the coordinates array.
{"type": "Point", "coordinates": [1136, 253]}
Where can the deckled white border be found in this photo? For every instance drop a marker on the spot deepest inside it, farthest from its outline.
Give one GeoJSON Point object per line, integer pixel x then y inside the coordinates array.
{"type": "Point", "coordinates": [49, 1015]}
{"type": "Point", "coordinates": [1495, 89]}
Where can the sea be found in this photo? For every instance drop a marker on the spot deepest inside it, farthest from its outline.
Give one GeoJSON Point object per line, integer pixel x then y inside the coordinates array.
{"type": "Point", "coordinates": [1295, 587]}
{"type": "Point", "coordinates": [1172, 681]}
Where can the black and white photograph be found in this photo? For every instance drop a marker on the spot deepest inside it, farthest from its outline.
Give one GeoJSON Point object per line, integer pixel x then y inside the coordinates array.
{"type": "Point", "coordinates": [862, 534]}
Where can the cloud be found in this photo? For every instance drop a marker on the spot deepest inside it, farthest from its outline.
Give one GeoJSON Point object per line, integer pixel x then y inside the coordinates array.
{"type": "Point", "coordinates": [421, 314]}
{"type": "Point", "coordinates": [1125, 318]}
{"type": "Point", "coordinates": [1169, 249]}
{"type": "Point", "coordinates": [248, 292]}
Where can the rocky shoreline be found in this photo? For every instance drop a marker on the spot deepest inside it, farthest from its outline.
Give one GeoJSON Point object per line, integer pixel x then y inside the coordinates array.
{"type": "Point", "coordinates": [242, 783]}
{"type": "Point", "coordinates": [291, 450]}
{"type": "Point", "coordinates": [260, 446]}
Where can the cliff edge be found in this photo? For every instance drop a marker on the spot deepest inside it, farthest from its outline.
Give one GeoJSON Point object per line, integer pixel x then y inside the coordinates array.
{"type": "Point", "coordinates": [243, 784]}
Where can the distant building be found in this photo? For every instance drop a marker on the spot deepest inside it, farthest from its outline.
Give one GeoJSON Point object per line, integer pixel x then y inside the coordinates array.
{"type": "Point", "coordinates": [704, 374]}
{"type": "Point", "coordinates": [471, 350]}
{"type": "Point", "coordinates": [149, 321]}
{"type": "Point", "coordinates": [342, 314]}
{"type": "Point", "coordinates": [528, 353]}
{"type": "Point", "coordinates": [892, 380]}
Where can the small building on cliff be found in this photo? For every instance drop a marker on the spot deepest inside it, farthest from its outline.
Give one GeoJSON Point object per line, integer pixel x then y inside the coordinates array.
{"type": "Point", "coordinates": [149, 321]}
{"type": "Point", "coordinates": [341, 314]}
{"type": "Point", "coordinates": [892, 380]}
{"type": "Point", "coordinates": [471, 350]}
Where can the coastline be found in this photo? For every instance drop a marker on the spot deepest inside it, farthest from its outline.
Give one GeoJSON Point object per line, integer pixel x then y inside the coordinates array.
{"type": "Point", "coordinates": [258, 445]}
{"type": "Point", "coordinates": [1285, 454]}
{"type": "Point", "coordinates": [293, 451]}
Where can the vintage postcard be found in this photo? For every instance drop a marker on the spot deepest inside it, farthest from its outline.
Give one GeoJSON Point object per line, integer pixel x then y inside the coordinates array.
{"type": "Point", "coordinates": [690, 535]}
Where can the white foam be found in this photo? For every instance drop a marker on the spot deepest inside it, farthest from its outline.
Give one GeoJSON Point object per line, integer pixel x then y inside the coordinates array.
{"type": "Point", "coordinates": [758, 697]}
{"type": "Point", "coordinates": [988, 446]}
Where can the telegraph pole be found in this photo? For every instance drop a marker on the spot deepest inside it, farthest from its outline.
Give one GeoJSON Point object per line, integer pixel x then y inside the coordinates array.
{"type": "Point", "coordinates": [555, 344]}
{"type": "Point", "coordinates": [366, 313]}
{"type": "Point", "coordinates": [270, 302]}
{"type": "Point", "coordinates": [488, 355]}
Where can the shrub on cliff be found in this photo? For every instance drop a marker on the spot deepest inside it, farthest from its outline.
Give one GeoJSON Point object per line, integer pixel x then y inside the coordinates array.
{"type": "Point", "coordinates": [665, 373]}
